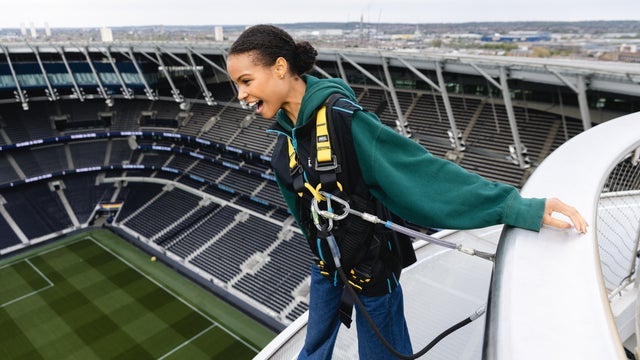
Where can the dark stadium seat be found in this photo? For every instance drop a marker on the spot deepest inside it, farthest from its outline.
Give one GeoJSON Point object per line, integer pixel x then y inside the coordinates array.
{"type": "Point", "coordinates": [8, 237]}
{"type": "Point", "coordinates": [37, 210]}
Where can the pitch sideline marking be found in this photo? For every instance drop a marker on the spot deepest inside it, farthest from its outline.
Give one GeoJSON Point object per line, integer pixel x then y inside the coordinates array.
{"type": "Point", "coordinates": [33, 292]}
{"type": "Point", "coordinates": [187, 342]}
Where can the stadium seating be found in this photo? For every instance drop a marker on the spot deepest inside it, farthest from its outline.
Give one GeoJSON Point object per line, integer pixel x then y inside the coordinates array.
{"type": "Point", "coordinates": [9, 237]}
{"type": "Point", "coordinates": [36, 209]}
{"type": "Point", "coordinates": [237, 239]}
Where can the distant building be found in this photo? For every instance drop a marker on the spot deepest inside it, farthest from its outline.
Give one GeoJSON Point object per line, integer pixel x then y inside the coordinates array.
{"type": "Point", "coordinates": [47, 29]}
{"type": "Point", "coordinates": [218, 33]}
{"type": "Point", "coordinates": [630, 48]}
{"type": "Point", "coordinates": [517, 37]}
{"type": "Point", "coordinates": [106, 34]}
{"type": "Point", "coordinates": [625, 53]}
{"type": "Point", "coordinates": [34, 34]}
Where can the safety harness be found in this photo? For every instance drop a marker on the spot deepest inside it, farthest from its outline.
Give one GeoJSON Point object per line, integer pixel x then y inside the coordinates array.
{"type": "Point", "coordinates": [364, 258]}
{"type": "Point", "coordinates": [369, 253]}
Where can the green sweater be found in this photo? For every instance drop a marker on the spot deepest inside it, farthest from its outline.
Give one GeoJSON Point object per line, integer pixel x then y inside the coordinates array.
{"type": "Point", "coordinates": [412, 183]}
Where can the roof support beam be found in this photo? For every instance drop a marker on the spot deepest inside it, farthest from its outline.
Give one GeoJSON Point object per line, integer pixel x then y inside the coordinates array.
{"type": "Point", "coordinates": [76, 88]}
{"type": "Point", "coordinates": [518, 151]}
{"type": "Point", "coordinates": [101, 88]}
{"type": "Point", "coordinates": [128, 94]}
{"type": "Point", "coordinates": [216, 66]}
{"type": "Point", "coordinates": [174, 91]}
{"type": "Point", "coordinates": [52, 93]}
{"type": "Point", "coordinates": [401, 123]}
{"type": "Point", "coordinates": [581, 90]}
{"type": "Point", "coordinates": [147, 89]}
{"type": "Point", "coordinates": [203, 86]}
{"type": "Point", "coordinates": [21, 95]}
{"type": "Point", "coordinates": [419, 74]}
{"type": "Point", "coordinates": [485, 75]}
{"type": "Point", "coordinates": [583, 102]}
{"type": "Point", "coordinates": [321, 71]}
{"type": "Point", "coordinates": [343, 74]}
{"type": "Point", "coordinates": [455, 136]}
{"type": "Point", "coordinates": [365, 72]}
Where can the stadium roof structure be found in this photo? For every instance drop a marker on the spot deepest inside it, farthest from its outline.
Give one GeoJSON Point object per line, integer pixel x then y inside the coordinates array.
{"type": "Point", "coordinates": [606, 76]}
{"type": "Point", "coordinates": [127, 71]}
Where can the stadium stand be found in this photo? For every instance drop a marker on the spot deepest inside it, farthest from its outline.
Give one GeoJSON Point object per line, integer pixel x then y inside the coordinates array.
{"type": "Point", "coordinates": [285, 270]}
{"type": "Point", "coordinates": [7, 172]}
{"type": "Point", "coordinates": [36, 209]}
{"type": "Point", "coordinates": [9, 237]}
{"type": "Point", "coordinates": [136, 195]}
{"type": "Point", "coordinates": [89, 153]}
{"type": "Point", "coordinates": [161, 212]}
{"type": "Point", "coordinates": [207, 235]}
{"type": "Point", "coordinates": [84, 194]}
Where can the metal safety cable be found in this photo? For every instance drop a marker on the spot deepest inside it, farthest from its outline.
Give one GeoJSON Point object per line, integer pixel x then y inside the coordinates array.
{"type": "Point", "coordinates": [331, 215]}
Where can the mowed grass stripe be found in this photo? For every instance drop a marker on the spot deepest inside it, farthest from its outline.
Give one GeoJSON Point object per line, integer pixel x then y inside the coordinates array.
{"type": "Point", "coordinates": [185, 321]}
{"type": "Point", "coordinates": [167, 321]}
{"type": "Point", "coordinates": [144, 317]}
{"type": "Point", "coordinates": [224, 314]}
{"type": "Point", "coordinates": [14, 344]}
{"type": "Point", "coordinates": [84, 273]}
{"type": "Point", "coordinates": [49, 335]}
{"type": "Point", "coordinates": [184, 302]}
{"type": "Point", "coordinates": [89, 325]}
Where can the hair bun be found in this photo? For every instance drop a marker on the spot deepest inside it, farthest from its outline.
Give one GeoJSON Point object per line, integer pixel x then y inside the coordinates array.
{"type": "Point", "coordinates": [306, 56]}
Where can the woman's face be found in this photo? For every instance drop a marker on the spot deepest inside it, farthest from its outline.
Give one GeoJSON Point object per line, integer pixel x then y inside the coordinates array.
{"type": "Point", "coordinates": [258, 85]}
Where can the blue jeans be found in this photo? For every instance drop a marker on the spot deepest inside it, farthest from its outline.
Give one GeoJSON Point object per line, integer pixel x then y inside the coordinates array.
{"type": "Point", "coordinates": [387, 312]}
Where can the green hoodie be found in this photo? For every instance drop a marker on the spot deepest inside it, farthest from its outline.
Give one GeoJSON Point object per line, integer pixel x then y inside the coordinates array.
{"type": "Point", "coordinates": [412, 183]}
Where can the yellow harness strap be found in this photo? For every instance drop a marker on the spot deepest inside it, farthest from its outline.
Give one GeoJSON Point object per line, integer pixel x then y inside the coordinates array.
{"type": "Point", "coordinates": [323, 151]}
{"type": "Point", "coordinates": [323, 145]}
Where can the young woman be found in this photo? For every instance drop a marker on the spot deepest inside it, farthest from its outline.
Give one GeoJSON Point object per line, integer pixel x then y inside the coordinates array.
{"type": "Point", "coordinates": [379, 171]}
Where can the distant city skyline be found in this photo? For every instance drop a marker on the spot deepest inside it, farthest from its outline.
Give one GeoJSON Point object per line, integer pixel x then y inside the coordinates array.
{"type": "Point", "coordinates": [113, 13]}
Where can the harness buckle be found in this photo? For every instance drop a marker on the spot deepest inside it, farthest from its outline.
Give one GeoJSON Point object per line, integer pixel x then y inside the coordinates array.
{"type": "Point", "coordinates": [295, 170]}
{"type": "Point", "coordinates": [328, 165]}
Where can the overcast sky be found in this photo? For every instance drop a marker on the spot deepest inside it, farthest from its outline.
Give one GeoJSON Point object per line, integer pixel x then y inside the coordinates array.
{"type": "Point", "coordinates": [92, 13]}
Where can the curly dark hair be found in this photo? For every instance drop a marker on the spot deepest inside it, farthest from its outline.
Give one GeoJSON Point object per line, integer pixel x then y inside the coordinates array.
{"type": "Point", "coordinates": [269, 43]}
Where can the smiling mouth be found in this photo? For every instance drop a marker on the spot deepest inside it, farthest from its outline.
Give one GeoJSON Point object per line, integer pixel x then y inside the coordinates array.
{"type": "Point", "coordinates": [256, 105]}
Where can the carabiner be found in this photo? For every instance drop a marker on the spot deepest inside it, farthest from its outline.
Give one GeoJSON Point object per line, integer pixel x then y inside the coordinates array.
{"type": "Point", "coordinates": [316, 213]}
{"type": "Point", "coordinates": [329, 213]}
{"type": "Point", "coordinates": [346, 208]}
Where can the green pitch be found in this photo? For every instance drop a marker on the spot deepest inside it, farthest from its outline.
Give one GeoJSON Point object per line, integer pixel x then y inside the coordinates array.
{"type": "Point", "coordinates": [94, 296]}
